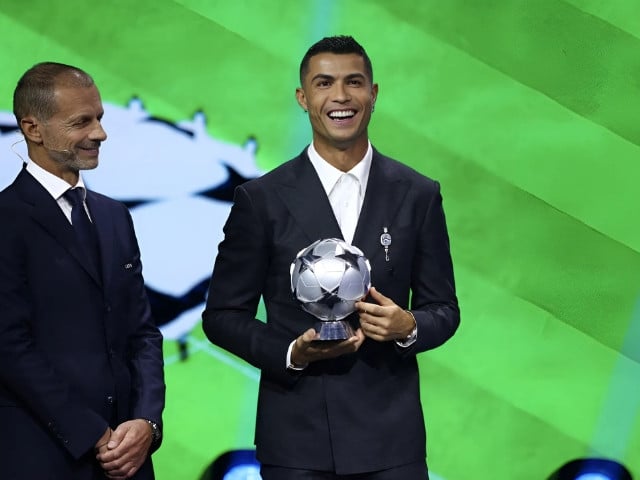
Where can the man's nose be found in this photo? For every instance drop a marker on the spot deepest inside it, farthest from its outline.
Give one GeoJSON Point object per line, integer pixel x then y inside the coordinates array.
{"type": "Point", "coordinates": [99, 133]}
{"type": "Point", "coordinates": [341, 92]}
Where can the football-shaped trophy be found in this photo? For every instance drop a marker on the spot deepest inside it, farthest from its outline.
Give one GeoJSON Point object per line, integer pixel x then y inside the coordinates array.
{"type": "Point", "coordinates": [328, 277]}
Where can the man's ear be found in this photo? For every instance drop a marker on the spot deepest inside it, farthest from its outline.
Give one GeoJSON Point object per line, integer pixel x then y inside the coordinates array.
{"type": "Point", "coordinates": [302, 100]}
{"type": "Point", "coordinates": [31, 129]}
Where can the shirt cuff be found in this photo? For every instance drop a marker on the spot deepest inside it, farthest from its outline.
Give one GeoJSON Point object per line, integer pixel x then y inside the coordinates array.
{"type": "Point", "coordinates": [413, 336]}
{"type": "Point", "coordinates": [290, 365]}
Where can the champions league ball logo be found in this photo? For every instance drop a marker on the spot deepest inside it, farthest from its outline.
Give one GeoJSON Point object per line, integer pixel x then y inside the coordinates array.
{"type": "Point", "coordinates": [328, 277]}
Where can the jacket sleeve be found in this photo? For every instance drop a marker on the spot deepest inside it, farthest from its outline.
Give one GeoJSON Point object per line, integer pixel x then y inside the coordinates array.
{"type": "Point", "coordinates": [433, 295]}
{"type": "Point", "coordinates": [145, 344]}
{"type": "Point", "coordinates": [238, 279]}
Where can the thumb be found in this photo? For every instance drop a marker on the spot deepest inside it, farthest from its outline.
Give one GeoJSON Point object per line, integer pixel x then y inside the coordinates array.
{"type": "Point", "coordinates": [115, 439]}
{"type": "Point", "coordinates": [309, 336]}
{"type": "Point", "coordinates": [380, 298]}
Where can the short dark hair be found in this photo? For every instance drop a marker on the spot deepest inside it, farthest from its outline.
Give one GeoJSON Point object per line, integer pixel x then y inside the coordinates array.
{"type": "Point", "coordinates": [340, 44]}
{"type": "Point", "coordinates": [34, 93]}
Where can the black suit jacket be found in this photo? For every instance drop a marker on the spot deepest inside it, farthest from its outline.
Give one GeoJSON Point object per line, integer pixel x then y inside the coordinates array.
{"type": "Point", "coordinates": [360, 412]}
{"type": "Point", "coordinates": [78, 351]}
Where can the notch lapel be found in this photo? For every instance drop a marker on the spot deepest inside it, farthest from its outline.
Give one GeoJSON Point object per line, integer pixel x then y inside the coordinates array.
{"type": "Point", "coordinates": [383, 199]}
{"type": "Point", "coordinates": [306, 200]}
{"type": "Point", "coordinates": [103, 222]}
{"type": "Point", "coordinates": [45, 211]}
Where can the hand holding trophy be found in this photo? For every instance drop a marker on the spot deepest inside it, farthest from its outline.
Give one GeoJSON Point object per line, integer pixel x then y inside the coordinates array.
{"type": "Point", "coordinates": [328, 277]}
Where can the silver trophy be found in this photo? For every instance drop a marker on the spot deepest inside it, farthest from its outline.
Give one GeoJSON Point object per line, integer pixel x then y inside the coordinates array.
{"type": "Point", "coordinates": [328, 277]}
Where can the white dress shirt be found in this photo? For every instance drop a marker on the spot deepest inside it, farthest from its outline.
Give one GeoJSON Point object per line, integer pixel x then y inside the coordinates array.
{"type": "Point", "coordinates": [345, 190]}
{"type": "Point", "coordinates": [55, 186]}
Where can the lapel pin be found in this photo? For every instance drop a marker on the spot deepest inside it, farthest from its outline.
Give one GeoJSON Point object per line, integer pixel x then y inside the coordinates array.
{"type": "Point", "coordinates": [385, 241]}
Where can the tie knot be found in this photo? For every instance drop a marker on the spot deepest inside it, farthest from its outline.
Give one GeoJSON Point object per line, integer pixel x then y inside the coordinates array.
{"type": "Point", "coordinates": [75, 196]}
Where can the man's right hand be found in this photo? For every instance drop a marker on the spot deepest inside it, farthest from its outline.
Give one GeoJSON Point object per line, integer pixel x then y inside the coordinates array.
{"type": "Point", "coordinates": [307, 349]}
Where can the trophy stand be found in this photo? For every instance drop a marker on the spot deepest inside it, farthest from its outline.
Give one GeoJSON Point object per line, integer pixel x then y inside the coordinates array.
{"type": "Point", "coordinates": [333, 330]}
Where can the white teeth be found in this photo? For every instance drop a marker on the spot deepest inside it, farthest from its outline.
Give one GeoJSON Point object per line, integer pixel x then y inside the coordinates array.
{"type": "Point", "coordinates": [342, 114]}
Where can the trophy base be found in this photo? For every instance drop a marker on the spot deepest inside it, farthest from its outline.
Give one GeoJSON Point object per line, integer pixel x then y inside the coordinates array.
{"type": "Point", "coordinates": [336, 330]}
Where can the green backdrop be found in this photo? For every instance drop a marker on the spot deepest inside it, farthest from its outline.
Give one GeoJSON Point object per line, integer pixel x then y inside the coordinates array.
{"type": "Point", "coordinates": [526, 111]}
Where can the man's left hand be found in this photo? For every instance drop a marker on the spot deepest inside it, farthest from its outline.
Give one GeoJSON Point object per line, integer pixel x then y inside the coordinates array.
{"type": "Point", "coordinates": [384, 321]}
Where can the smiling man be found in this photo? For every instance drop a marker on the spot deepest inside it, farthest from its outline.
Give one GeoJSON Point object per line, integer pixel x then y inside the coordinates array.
{"type": "Point", "coordinates": [345, 409]}
{"type": "Point", "coordinates": [81, 369]}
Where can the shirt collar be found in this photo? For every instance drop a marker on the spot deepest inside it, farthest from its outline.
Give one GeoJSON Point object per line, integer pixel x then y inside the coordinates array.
{"type": "Point", "coordinates": [329, 174]}
{"type": "Point", "coordinates": [52, 183]}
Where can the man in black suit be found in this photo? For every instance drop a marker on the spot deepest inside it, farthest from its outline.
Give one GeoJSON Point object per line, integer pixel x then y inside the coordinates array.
{"type": "Point", "coordinates": [351, 409]}
{"type": "Point", "coordinates": [81, 369]}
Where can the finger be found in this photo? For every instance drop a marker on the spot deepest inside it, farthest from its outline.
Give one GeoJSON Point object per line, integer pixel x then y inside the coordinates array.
{"type": "Point", "coordinates": [352, 343]}
{"type": "Point", "coordinates": [303, 342]}
{"type": "Point", "coordinates": [367, 327]}
{"type": "Point", "coordinates": [113, 467]}
{"type": "Point", "coordinates": [116, 438]}
{"type": "Point", "coordinates": [374, 336]}
{"type": "Point", "coordinates": [365, 308]}
{"type": "Point", "coordinates": [118, 456]}
{"type": "Point", "coordinates": [132, 471]}
{"type": "Point", "coordinates": [101, 451]}
{"type": "Point", "coordinates": [380, 298]}
{"type": "Point", "coordinates": [373, 331]}
{"type": "Point", "coordinates": [323, 350]}
{"type": "Point", "coordinates": [116, 476]}
{"type": "Point", "coordinates": [118, 471]}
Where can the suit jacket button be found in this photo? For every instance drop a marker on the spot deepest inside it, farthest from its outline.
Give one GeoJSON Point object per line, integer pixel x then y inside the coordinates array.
{"type": "Point", "coordinates": [110, 399]}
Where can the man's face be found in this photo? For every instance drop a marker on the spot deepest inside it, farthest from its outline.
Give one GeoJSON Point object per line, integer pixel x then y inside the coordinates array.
{"type": "Point", "coordinates": [72, 136]}
{"type": "Point", "coordinates": [339, 97]}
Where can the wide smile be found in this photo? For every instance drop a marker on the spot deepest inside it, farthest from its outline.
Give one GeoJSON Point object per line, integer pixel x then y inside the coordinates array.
{"type": "Point", "coordinates": [342, 116]}
{"type": "Point", "coordinates": [90, 150]}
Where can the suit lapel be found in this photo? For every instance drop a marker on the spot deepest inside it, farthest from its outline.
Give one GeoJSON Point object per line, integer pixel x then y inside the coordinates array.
{"type": "Point", "coordinates": [306, 200]}
{"type": "Point", "coordinates": [382, 201]}
{"type": "Point", "coordinates": [103, 222]}
{"type": "Point", "coordinates": [46, 212]}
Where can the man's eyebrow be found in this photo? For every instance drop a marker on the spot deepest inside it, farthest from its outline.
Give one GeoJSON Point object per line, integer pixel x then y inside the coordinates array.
{"type": "Point", "coordinates": [326, 76]}
{"type": "Point", "coordinates": [78, 117]}
{"type": "Point", "coordinates": [322, 76]}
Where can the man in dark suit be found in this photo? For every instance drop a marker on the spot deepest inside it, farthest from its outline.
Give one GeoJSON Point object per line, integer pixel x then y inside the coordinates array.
{"type": "Point", "coordinates": [351, 409]}
{"type": "Point", "coordinates": [81, 369]}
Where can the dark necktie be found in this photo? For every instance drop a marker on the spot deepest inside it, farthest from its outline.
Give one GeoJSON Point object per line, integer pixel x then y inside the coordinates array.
{"type": "Point", "coordinates": [85, 231]}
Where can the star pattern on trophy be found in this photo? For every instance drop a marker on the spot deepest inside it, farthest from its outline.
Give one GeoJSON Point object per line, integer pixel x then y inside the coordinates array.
{"type": "Point", "coordinates": [349, 256]}
{"type": "Point", "coordinates": [328, 277]}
